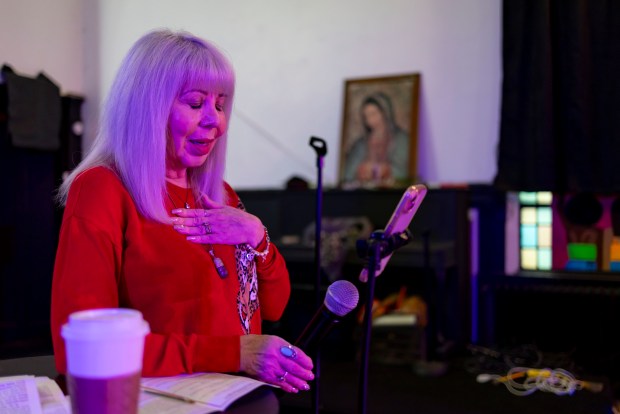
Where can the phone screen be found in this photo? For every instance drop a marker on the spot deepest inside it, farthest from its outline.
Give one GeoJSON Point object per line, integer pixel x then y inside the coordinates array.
{"type": "Point", "coordinates": [400, 220]}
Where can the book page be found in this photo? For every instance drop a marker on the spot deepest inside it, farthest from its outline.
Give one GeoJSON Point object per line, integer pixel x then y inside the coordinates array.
{"type": "Point", "coordinates": [214, 389]}
{"type": "Point", "coordinates": [156, 404]}
{"type": "Point", "coordinates": [18, 395]}
{"type": "Point", "coordinates": [53, 401]}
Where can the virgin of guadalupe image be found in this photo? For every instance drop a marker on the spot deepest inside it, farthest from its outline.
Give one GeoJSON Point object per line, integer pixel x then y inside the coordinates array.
{"type": "Point", "coordinates": [379, 157]}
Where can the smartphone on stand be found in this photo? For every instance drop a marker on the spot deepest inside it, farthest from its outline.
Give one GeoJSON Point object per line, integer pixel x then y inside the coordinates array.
{"type": "Point", "coordinates": [400, 220]}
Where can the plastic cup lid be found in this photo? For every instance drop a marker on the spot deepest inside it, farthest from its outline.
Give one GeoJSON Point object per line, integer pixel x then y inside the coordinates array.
{"type": "Point", "coordinates": [107, 323]}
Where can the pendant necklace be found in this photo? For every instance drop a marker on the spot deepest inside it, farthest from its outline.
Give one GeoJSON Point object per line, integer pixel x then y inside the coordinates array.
{"type": "Point", "coordinates": [185, 203]}
{"type": "Point", "coordinates": [219, 264]}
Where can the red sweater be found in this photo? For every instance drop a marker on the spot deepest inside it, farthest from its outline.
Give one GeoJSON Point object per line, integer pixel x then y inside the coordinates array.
{"type": "Point", "coordinates": [109, 255]}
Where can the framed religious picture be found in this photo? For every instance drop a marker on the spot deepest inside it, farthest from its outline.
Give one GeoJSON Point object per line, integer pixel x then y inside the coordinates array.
{"type": "Point", "coordinates": [379, 132]}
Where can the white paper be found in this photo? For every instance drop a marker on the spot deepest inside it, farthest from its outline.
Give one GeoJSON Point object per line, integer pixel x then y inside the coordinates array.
{"type": "Point", "coordinates": [26, 394]}
{"type": "Point", "coordinates": [154, 404]}
{"type": "Point", "coordinates": [216, 391]}
{"type": "Point", "coordinates": [18, 395]}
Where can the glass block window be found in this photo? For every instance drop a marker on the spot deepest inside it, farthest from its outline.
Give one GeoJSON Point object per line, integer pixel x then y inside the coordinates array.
{"type": "Point", "coordinates": [535, 218]}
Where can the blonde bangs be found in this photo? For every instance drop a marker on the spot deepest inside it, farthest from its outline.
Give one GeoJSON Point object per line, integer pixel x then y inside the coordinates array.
{"type": "Point", "coordinates": [209, 70]}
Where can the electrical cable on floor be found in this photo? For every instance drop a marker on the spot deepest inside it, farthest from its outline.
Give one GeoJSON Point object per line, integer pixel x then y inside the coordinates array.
{"type": "Point", "coordinates": [522, 381]}
{"type": "Point", "coordinates": [498, 361]}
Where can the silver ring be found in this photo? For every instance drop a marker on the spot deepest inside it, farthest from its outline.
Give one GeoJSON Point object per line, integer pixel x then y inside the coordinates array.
{"type": "Point", "coordinates": [288, 351]}
{"type": "Point", "coordinates": [282, 377]}
{"type": "Point", "coordinates": [207, 228]}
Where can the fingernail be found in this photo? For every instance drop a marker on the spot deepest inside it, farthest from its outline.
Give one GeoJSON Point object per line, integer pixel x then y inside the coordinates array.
{"type": "Point", "coordinates": [295, 390]}
{"type": "Point", "coordinates": [177, 210]}
{"type": "Point", "coordinates": [306, 387]}
{"type": "Point", "coordinates": [178, 226]}
{"type": "Point", "coordinates": [176, 219]}
{"type": "Point", "coordinates": [192, 238]}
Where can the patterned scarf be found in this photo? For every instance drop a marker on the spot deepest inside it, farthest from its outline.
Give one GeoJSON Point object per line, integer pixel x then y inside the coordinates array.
{"type": "Point", "coordinates": [247, 298]}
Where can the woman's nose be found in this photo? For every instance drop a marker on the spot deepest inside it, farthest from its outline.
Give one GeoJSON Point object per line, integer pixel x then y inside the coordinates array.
{"type": "Point", "coordinates": [210, 117]}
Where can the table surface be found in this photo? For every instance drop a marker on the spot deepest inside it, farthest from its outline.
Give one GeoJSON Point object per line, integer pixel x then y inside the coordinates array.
{"type": "Point", "coordinates": [42, 366]}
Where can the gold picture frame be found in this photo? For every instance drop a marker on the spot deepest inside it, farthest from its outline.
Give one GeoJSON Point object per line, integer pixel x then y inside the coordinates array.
{"type": "Point", "coordinates": [378, 147]}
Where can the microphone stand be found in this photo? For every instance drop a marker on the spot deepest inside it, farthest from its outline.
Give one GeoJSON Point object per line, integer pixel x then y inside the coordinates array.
{"type": "Point", "coordinates": [320, 146]}
{"type": "Point", "coordinates": [378, 246]}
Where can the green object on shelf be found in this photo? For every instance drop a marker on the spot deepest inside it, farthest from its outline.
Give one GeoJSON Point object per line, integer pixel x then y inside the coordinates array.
{"type": "Point", "coordinates": [582, 251]}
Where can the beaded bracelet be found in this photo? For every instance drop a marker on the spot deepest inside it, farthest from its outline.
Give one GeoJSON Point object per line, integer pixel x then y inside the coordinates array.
{"type": "Point", "coordinates": [253, 253]}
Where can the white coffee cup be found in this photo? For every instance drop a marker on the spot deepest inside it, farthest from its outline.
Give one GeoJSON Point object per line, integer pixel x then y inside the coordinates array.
{"type": "Point", "coordinates": [104, 349]}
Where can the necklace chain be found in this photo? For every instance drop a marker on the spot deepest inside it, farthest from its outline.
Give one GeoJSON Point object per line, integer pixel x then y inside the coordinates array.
{"type": "Point", "coordinates": [219, 264]}
{"type": "Point", "coordinates": [185, 203]}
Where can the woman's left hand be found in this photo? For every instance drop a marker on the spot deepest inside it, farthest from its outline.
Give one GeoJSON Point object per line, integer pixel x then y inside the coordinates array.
{"type": "Point", "coordinates": [271, 359]}
{"type": "Point", "coordinates": [218, 224]}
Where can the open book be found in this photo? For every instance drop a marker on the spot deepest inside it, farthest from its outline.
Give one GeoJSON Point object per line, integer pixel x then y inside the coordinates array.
{"type": "Point", "coordinates": [201, 393]}
{"type": "Point", "coordinates": [183, 394]}
{"type": "Point", "coordinates": [28, 394]}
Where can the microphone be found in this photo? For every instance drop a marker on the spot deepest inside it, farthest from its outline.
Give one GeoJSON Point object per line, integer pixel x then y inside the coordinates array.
{"type": "Point", "coordinates": [341, 298]}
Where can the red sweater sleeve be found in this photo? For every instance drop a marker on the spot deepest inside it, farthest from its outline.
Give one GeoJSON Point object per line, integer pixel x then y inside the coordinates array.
{"type": "Point", "coordinates": [274, 282]}
{"type": "Point", "coordinates": [85, 271]}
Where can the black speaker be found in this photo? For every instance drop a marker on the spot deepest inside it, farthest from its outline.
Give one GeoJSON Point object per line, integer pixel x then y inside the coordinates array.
{"type": "Point", "coordinates": [71, 129]}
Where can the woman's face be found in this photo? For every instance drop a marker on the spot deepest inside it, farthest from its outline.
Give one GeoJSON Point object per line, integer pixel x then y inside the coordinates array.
{"type": "Point", "coordinates": [373, 117]}
{"type": "Point", "coordinates": [196, 121]}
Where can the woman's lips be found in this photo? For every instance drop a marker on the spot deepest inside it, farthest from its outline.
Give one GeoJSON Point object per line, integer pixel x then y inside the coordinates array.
{"type": "Point", "coordinates": [201, 146]}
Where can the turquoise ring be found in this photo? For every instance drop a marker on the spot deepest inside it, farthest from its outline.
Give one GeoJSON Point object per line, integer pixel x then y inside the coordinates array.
{"type": "Point", "coordinates": [288, 351]}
